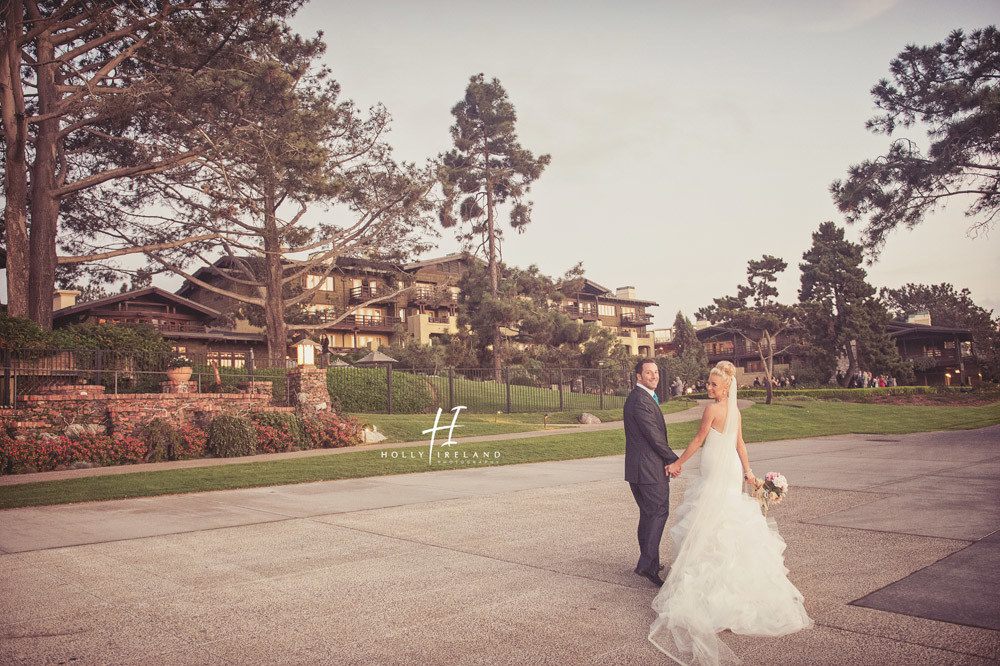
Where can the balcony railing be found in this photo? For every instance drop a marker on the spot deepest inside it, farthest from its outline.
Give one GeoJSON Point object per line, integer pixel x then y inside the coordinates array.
{"type": "Point", "coordinates": [356, 321]}
{"type": "Point", "coordinates": [438, 320]}
{"type": "Point", "coordinates": [433, 295]}
{"type": "Point", "coordinates": [363, 293]}
{"type": "Point", "coordinates": [166, 326]}
{"type": "Point", "coordinates": [641, 319]}
{"type": "Point", "coordinates": [369, 321]}
{"type": "Point", "coordinates": [941, 355]}
{"type": "Point", "coordinates": [587, 312]}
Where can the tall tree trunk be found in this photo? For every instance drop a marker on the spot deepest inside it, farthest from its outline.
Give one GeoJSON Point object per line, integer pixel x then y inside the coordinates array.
{"type": "Point", "coordinates": [852, 360]}
{"type": "Point", "coordinates": [44, 205]}
{"type": "Point", "coordinates": [494, 281]}
{"type": "Point", "coordinates": [770, 368]}
{"type": "Point", "coordinates": [274, 302]}
{"type": "Point", "coordinates": [16, 175]}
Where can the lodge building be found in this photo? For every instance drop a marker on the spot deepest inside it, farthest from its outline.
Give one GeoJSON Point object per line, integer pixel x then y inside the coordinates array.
{"type": "Point", "coordinates": [358, 305]}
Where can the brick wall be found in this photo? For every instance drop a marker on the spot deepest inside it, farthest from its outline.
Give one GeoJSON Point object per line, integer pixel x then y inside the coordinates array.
{"type": "Point", "coordinates": [87, 407]}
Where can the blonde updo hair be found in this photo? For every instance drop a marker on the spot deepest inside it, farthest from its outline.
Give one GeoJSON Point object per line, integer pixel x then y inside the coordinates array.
{"type": "Point", "coordinates": [725, 370]}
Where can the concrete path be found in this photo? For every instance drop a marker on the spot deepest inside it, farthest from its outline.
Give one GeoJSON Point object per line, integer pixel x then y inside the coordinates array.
{"type": "Point", "coordinates": [892, 540]}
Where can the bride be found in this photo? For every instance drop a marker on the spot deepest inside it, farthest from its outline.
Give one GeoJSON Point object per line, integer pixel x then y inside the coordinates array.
{"type": "Point", "coordinates": [728, 570]}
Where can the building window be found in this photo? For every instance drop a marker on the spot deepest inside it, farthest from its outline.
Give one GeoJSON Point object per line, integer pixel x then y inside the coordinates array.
{"type": "Point", "coordinates": [718, 347]}
{"type": "Point", "coordinates": [325, 283]}
{"type": "Point", "coordinates": [606, 310]}
{"type": "Point", "coordinates": [227, 359]}
{"type": "Point", "coordinates": [755, 366]}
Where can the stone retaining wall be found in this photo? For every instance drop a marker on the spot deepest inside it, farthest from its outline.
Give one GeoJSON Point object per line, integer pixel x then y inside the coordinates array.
{"type": "Point", "coordinates": [83, 408]}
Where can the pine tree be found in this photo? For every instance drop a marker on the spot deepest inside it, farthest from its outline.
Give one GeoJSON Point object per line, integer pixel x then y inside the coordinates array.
{"type": "Point", "coordinates": [486, 169]}
{"type": "Point", "coordinates": [761, 323]}
{"type": "Point", "coordinates": [844, 318]}
{"type": "Point", "coordinates": [952, 89]}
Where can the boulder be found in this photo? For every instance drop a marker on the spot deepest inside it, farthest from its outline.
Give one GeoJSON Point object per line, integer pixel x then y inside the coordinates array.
{"type": "Point", "coordinates": [588, 419]}
{"type": "Point", "coordinates": [373, 437]}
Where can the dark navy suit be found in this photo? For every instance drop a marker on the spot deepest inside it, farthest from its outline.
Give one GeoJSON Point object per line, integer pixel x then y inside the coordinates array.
{"type": "Point", "coordinates": [646, 456]}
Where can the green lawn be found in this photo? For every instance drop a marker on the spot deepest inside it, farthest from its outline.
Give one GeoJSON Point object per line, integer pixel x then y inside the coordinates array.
{"type": "Point", "coordinates": [794, 420]}
{"type": "Point", "coordinates": [782, 420]}
{"type": "Point", "coordinates": [410, 427]}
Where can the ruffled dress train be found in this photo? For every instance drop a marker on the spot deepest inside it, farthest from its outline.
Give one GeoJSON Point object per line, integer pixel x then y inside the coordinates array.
{"type": "Point", "coordinates": [728, 568]}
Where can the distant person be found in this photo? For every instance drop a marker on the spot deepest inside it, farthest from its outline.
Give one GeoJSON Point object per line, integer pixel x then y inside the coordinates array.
{"type": "Point", "coordinates": [756, 382]}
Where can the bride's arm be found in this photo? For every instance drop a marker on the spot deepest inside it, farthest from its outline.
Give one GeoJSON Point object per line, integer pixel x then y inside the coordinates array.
{"type": "Point", "coordinates": [699, 438]}
{"type": "Point", "coordinates": [741, 449]}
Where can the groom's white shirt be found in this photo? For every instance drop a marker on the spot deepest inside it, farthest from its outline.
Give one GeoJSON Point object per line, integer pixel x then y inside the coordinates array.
{"type": "Point", "coordinates": [652, 394]}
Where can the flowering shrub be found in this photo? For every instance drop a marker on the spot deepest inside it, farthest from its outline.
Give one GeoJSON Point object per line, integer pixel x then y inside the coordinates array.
{"type": "Point", "coordinates": [42, 455]}
{"type": "Point", "coordinates": [329, 431]}
{"type": "Point", "coordinates": [273, 438]}
{"type": "Point", "coordinates": [278, 432]}
{"type": "Point", "coordinates": [193, 441]}
{"type": "Point", "coordinates": [270, 435]}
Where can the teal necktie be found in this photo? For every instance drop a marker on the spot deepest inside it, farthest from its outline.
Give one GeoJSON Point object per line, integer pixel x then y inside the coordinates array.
{"type": "Point", "coordinates": [656, 398]}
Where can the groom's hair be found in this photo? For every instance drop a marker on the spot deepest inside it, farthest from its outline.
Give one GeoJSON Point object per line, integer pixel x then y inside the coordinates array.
{"type": "Point", "coordinates": [642, 362]}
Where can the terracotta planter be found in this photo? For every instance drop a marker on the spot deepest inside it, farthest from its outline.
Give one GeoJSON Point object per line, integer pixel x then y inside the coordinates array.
{"type": "Point", "coordinates": [179, 374]}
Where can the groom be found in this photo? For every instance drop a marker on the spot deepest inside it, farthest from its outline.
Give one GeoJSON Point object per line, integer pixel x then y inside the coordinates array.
{"type": "Point", "coordinates": [646, 458]}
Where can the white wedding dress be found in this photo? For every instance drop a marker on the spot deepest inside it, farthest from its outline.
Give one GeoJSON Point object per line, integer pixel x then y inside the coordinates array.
{"type": "Point", "coordinates": [728, 571]}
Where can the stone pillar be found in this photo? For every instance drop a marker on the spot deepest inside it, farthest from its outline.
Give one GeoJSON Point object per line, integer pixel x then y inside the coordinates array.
{"type": "Point", "coordinates": [307, 392]}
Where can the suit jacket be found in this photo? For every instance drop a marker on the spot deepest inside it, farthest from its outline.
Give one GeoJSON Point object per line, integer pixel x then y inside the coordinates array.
{"type": "Point", "coordinates": [646, 449]}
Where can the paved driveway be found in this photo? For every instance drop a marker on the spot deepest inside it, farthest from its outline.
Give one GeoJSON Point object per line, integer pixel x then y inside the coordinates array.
{"type": "Point", "coordinates": [892, 539]}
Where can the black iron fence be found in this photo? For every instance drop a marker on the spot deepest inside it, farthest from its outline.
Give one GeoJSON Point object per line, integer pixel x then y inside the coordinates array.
{"type": "Point", "coordinates": [384, 389]}
{"type": "Point", "coordinates": [378, 389]}
{"type": "Point", "coordinates": [26, 371]}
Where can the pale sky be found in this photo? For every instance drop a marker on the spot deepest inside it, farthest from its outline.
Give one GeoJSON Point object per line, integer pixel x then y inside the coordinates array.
{"type": "Point", "coordinates": [686, 137]}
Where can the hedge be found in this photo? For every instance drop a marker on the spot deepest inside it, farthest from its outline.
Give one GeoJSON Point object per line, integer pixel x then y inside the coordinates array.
{"type": "Point", "coordinates": [365, 390]}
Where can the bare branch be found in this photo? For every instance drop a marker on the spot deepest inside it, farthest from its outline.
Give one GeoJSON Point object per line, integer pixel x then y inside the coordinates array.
{"type": "Point", "coordinates": [134, 250]}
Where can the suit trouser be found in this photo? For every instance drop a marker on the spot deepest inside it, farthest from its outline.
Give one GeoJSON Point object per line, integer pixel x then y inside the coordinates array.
{"type": "Point", "coordinates": [654, 507]}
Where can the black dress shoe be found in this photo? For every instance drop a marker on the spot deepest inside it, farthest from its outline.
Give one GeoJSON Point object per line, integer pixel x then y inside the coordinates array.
{"type": "Point", "coordinates": [654, 578]}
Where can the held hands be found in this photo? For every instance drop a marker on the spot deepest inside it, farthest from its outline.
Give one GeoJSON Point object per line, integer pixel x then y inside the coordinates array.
{"type": "Point", "coordinates": [673, 469]}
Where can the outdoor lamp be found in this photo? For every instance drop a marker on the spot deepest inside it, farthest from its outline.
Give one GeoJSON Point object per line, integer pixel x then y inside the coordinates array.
{"type": "Point", "coordinates": [305, 352]}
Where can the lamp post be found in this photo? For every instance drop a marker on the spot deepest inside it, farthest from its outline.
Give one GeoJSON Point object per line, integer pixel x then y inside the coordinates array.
{"type": "Point", "coordinates": [305, 352]}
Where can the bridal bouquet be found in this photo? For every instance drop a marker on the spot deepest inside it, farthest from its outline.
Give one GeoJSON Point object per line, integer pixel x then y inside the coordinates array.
{"type": "Point", "coordinates": [771, 490]}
